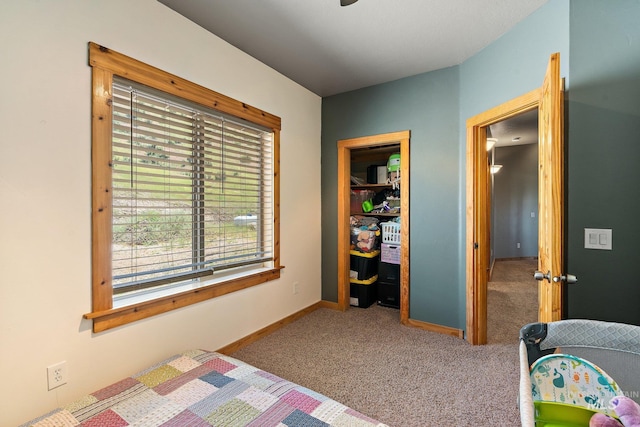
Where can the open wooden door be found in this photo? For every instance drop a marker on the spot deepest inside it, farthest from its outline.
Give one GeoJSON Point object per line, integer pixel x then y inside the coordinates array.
{"type": "Point", "coordinates": [550, 194]}
{"type": "Point", "coordinates": [549, 101]}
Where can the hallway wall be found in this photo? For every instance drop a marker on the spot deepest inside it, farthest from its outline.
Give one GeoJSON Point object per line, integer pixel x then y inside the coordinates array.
{"type": "Point", "coordinates": [515, 202]}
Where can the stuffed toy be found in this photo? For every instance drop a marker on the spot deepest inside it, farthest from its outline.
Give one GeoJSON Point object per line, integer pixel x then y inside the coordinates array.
{"type": "Point", "coordinates": [366, 240]}
{"type": "Point", "coordinates": [625, 408]}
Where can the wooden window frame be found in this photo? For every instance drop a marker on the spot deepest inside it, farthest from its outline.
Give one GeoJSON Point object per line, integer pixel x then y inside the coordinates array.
{"type": "Point", "coordinates": [105, 64]}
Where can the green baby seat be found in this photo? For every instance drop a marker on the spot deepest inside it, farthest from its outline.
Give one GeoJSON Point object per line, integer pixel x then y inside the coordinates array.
{"type": "Point", "coordinates": [567, 390]}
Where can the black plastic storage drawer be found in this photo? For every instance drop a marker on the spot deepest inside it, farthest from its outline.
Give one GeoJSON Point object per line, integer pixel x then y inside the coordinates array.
{"type": "Point", "coordinates": [364, 265]}
{"type": "Point", "coordinates": [389, 294]}
{"type": "Point", "coordinates": [389, 273]}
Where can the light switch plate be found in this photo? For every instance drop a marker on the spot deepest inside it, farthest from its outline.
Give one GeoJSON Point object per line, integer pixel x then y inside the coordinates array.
{"type": "Point", "coordinates": [597, 238]}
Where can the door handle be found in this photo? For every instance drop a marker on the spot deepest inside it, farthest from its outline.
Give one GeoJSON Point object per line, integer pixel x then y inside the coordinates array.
{"type": "Point", "coordinates": [569, 279]}
{"type": "Point", "coordinates": [539, 275]}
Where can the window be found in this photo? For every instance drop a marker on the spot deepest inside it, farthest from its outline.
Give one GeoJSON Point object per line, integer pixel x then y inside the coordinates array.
{"type": "Point", "coordinates": [189, 187]}
{"type": "Point", "coordinates": [185, 192]}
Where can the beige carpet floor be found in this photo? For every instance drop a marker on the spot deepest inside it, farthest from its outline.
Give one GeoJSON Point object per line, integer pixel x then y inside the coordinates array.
{"type": "Point", "coordinates": [400, 375]}
{"type": "Point", "coordinates": [512, 299]}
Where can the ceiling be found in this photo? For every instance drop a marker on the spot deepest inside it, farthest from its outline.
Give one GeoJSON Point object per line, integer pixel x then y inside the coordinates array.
{"type": "Point", "coordinates": [517, 130]}
{"type": "Point", "coordinates": [330, 49]}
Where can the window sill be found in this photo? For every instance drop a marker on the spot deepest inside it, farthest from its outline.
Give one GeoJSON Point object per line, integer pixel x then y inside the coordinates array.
{"type": "Point", "coordinates": [108, 319]}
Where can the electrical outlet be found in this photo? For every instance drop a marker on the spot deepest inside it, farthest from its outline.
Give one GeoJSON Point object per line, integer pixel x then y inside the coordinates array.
{"type": "Point", "coordinates": [296, 285]}
{"type": "Point", "coordinates": [57, 375]}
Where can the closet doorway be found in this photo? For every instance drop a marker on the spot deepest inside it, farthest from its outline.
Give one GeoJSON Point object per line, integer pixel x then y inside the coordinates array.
{"type": "Point", "coordinates": [345, 146]}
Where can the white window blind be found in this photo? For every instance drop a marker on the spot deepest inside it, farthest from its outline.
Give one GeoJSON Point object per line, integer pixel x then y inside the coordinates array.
{"type": "Point", "coordinates": [192, 190]}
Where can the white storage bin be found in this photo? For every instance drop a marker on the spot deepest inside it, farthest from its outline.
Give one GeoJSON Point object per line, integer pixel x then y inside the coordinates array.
{"type": "Point", "coordinates": [390, 254]}
{"type": "Point", "coordinates": [390, 232]}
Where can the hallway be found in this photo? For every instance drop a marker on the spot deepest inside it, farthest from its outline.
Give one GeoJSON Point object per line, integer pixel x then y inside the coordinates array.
{"type": "Point", "coordinates": [512, 299]}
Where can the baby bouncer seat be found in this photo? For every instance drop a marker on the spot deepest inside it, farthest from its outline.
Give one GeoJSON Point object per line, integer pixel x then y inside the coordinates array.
{"type": "Point", "coordinates": [570, 369]}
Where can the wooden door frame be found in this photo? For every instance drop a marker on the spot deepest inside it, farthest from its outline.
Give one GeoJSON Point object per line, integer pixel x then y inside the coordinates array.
{"type": "Point", "coordinates": [344, 196]}
{"type": "Point", "coordinates": [478, 208]}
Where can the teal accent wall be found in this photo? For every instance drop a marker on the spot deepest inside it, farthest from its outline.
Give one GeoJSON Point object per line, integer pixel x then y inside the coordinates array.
{"type": "Point", "coordinates": [427, 105]}
{"type": "Point", "coordinates": [435, 106]}
{"type": "Point", "coordinates": [515, 63]}
{"type": "Point", "coordinates": [602, 41]}
{"type": "Point", "coordinates": [604, 159]}
{"type": "Point", "coordinates": [602, 128]}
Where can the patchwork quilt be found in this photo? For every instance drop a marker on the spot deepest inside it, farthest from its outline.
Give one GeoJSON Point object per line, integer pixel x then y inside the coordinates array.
{"type": "Point", "coordinates": [200, 388]}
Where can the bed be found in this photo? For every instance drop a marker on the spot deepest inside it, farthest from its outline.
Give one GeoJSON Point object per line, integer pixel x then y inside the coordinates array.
{"type": "Point", "coordinates": [202, 388]}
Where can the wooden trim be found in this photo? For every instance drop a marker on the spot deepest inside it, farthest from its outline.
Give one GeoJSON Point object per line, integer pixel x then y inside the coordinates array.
{"type": "Point", "coordinates": [330, 305]}
{"type": "Point", "coordinates": [101, 171]}
{"type": "Point", "coordinates": [477, 250]}
{"type": "Point", "coordinates": [432, 327]}
{"type": "Point", "coordinates": [276, 198]}
{"type": "Point", "coordinates": [108, 319]}
{"type": "Point", "coordinates": [376, 140]}
{"type": "Point", "coordinates": [487, 217]}
{"type": "Point", "coordinates": [344, 178]}
{"type": "Point", "coordinates": [132, 69]}
{"type": "Point", "coordinates": [511, 108]}
{"type": "Point", "coordinates": [267, 330]}
{"type": "Point", "coordinates": [255, 336]}
{"type": "Point", "coordinates": [344, 194]}
{"type": "Point", "coordinates": [405, 266]}
{"type": "Point", "coordinates": [517, 258]}
{"type": "Point", "coordinates": [471, 324]}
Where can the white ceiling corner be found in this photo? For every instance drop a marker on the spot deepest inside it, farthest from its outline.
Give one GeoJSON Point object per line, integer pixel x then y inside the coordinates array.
{"type": "Point", "coordinates": [331, 49]}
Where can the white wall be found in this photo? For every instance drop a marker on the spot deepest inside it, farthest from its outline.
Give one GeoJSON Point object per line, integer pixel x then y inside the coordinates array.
{"type": "Point", "coordinates": [45, 196]}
